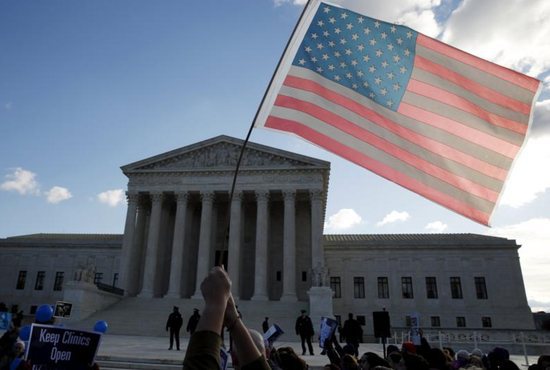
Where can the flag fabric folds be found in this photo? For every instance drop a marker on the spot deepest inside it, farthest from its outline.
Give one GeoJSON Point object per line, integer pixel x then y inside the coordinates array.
{"type": "Point", "coordinates": [425, 115]}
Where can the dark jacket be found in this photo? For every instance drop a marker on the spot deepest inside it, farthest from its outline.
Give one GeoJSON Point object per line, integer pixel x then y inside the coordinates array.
{"type": "Point", "coordinates": [175, 321]}
{"type": "Point", "coordinates": [304, 327]}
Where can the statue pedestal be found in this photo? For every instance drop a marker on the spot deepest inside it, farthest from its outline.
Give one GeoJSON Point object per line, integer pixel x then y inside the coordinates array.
{"type": "Point", "coordinates": [320, 305]}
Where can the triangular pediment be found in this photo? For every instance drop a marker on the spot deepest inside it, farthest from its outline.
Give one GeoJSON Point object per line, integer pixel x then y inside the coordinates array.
{"type": "Point", "coordinates": [222, 153]}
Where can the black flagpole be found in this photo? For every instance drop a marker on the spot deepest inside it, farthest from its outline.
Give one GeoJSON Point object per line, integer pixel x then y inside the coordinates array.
{"type": "Point", "coordinates": [231, 193]}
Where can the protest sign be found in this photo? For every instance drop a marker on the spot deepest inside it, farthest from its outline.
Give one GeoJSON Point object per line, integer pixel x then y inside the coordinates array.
{"type": "Point", "coordinates": [52, 347]}
{"type": "Point", "coordinates": [224, 359]}
{"type": "Point", "coordinates": [5, 319]}
{"type": "Point", "coordinates": [273, 333]}
{"type": "Point", "coordinates": [63, 309]}
{"type": "Point", "coordinates": [328, 327]}
{"type": "Point", "coordinates": [415, 328]}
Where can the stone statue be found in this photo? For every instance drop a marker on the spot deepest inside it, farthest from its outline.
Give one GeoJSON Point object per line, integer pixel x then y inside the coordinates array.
{"type": "Point", "coordinates": [319, 275]}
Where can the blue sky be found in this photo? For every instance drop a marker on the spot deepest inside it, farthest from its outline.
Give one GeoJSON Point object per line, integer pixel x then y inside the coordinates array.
{"type": "Point", "coordinates": [86, 87]}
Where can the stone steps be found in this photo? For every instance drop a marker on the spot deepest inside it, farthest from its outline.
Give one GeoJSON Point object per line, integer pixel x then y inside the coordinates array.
{"type": "Point", "coordinates": [147, 316]}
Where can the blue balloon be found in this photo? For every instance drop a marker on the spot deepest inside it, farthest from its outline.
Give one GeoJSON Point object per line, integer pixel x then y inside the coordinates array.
{"type": "Point", "coordinates": [25, 333]}
{"type": "Point", "coordinates": [44, 313]}
{"type": "Point", "coordinates": [101, 326]}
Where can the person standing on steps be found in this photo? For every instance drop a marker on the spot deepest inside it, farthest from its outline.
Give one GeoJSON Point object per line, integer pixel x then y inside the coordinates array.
{"type": "Point", "coordinates": [174, 323]}
{"type": "Point", "coordinates": [193, 320]}
{"type": "Point", "coordinates": [265, 325]}
{"type": "Point", "coordinates": [304, 328]}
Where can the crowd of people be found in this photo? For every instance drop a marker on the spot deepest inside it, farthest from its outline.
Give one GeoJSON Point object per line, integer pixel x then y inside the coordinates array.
{"type": "Point", "coordinates": [251, 352]}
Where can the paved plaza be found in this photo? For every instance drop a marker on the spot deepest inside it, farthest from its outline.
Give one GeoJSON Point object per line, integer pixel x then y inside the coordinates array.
{"type": "Point", "coordinates": [155, 349]}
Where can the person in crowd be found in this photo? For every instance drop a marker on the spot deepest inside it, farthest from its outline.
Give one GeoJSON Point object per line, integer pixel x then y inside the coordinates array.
{"type": "Point", "coordinates": [462, 358]}
{"type": "Point", "coordinates": [203, 352]}
{"type": "Point", "coordinates": [369, 360]}
{"type": "Point", "coordinates": [304, 328]}
{"type": "Point", "coordinates": [349, 362]}
{"type": "Point", "coordinates": [437, 359]}
{"type": "Point", "coordinates": [13, 359]}
{"type": "Point", "coordinates": [258, 341]}
{"type": "Point", "coordinates": [543, 362]}
{"type": "Point", "coordinates": [193, 320]}
{"type": "Point", "coordinates": [496, 357]}
{"type": "Point", "coordinates": [174, 323]}
{"type": "Point", "coordinates": [353, 333]}
{"type": "Point", "coordinates": [8, 339]}
{"type": "Point", "coordinates": [396, 361]}
{"type": "Point", "coordinates": [287, 359]}
{"type": "Point", "coordinates": [413, 361]}
{"type": "Point", "coordinates": [265, 325]}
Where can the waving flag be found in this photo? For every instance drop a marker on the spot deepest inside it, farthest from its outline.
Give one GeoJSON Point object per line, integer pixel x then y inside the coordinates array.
{"type": "Point", "coordinates": [425, 115]}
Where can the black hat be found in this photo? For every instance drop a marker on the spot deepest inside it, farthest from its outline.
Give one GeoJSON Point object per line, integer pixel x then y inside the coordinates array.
{"type": "Point", "coordinates": [303, 311]}
{"type": "Point", "coordinates": [176, 308]}
{"type": "Point", "coordinates": [196, 309]}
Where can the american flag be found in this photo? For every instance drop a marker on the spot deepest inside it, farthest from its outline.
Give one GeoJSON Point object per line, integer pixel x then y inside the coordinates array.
{"type": "Point", "coordinates": [425, 115]}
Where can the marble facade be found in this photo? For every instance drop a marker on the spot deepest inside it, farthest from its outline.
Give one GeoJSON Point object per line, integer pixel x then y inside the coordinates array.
{"type": "Point", "coordinates": [179, 211]}
{"type": "Point", "coordinates": [178, 216]}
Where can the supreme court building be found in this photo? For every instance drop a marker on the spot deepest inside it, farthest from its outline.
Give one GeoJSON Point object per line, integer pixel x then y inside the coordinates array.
{"type": "Point", "coordinates": [181, 221]}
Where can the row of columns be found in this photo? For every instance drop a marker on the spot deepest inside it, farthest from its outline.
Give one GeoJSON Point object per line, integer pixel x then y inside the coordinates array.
{"type": "Point", "coordinates": [130, 250]}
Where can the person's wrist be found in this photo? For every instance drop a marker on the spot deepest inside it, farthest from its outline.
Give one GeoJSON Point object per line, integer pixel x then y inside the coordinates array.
{"type": "Point", "coordinates": [233, 322]}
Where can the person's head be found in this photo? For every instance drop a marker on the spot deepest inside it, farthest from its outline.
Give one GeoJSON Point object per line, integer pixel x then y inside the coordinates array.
{"type": "Point", "coordinates": [408, 347]}
{"type": "Point", "coordinates": [266, 318]}
{"type": "Point", "coordinates": [370, 360]}
{"type": "Point", "coordinates": [176, 309]}
{"type": "Point", "coordinates": [18, 348]}
{"type": "Point", "coordinates": [303, 312]}
{"type": "Point", "coordinates": [477, 352]}
{"type": "Point", "coordinates": [195, 311]}
{"type": "Point", "coordinates": [437, 359]}
{"type": "Point", "coordinates": [349, 362]}
{"type": "Point", "coordinates": [396, 361]}
{"type": "Point", "coordinates": [391, 348]}
{"type": "Point", "coordinates": [350, 316]}
{"type": "Point", "coordinates": [544, 362]}
{"type": "Point", "coordinates": [497, 357]}
{"type": "Point", "coordinates": [462, 357]}
{"type": "Point", "coordinates": [413, 361]}
{"type": "Point", "coordinates": [287, 359]}
{"type": "Point", "coordinates": [258, 341]}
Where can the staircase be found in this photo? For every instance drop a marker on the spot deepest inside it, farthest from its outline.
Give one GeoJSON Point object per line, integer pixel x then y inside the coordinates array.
{"type": "Point", "coordinates": [147, 316]}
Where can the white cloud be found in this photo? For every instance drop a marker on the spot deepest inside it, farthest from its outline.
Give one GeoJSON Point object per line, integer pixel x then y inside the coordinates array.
{"type": "Point", "coordinates": [534, 237]}
{"type": "Point", "coordinates": [436, 227]}
{"type": "Point", "coordinates": [421, 21]}
{"type": "Point", "coordinates": [58, 194]}
{"type": "Point", "coordinates": [394, 216]}
{"type": "Point", "coordinates": [530, 176]}
{"type": "Point", "coordinates": [111, 197]}
{"type": "Point", "coordinates": [22, 181]}
{"type": "Point", "coordinates": [515, 35]}
{"type": "Point", "coordinates": [344, 219]}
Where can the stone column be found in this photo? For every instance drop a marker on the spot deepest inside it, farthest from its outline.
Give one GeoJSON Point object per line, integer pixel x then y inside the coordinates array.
{"type": "Point", "coordinates": [128, 242]}
{"type": "Point", "coordinates": [316, 198]}
{"type": "Point", "coordinates": [137, 257]}
{"type": "Point", "coordinates": [149, 273]}
{"type": "Point", "coordinates": [176, 266]}
{"type": "Point", "coordinates": [260, 265]}
{"type": "Point", "coordinates": [234, 247]}
{"type": "Point", "coordinates": [205, 236]}
{"type": "Point", "coordinates": [289, 247]}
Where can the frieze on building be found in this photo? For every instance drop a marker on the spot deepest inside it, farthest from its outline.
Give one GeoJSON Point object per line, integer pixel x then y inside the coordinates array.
{"type": "Point", "coordinates": [221, 154]}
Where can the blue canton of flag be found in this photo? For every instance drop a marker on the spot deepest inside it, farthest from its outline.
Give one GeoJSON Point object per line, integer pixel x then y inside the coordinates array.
{"type": "Point", "coordinates": [372, 57]}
